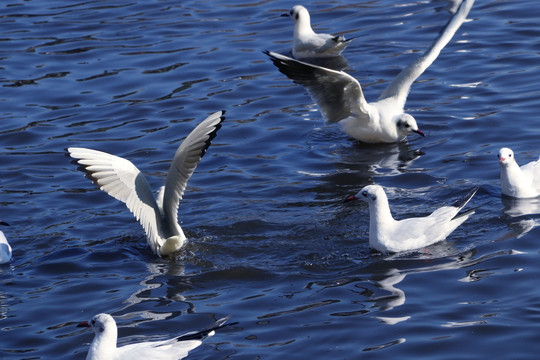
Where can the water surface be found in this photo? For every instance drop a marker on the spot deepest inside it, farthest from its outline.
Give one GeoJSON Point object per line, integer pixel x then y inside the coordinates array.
{"type": "Point", "coordinates": [270, 241]}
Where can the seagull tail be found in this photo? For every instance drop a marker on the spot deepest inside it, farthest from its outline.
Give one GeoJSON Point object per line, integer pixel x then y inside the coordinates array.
{"type": "Point", "coordinates": [345, 41]}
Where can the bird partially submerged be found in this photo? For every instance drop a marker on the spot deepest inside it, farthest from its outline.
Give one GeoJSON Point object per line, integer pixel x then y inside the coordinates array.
{"type": "Point", "coordinates": [106, 333]}
{"type": "Point", "coordinates": [389, 235]}
{"type": "Point", "coordinates": [119, 178]}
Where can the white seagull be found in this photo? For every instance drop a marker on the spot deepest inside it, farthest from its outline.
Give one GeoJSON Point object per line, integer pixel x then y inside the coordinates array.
{"type": "Point", "coordinates": [516, 181]}
{"type": "Point", "coordinates": [119, 178]}
{"type": "Point", "coordinates": [340, 98]}
{"type": "Point", "coordinates": [5, 248]}
{"type": "Point", "coordinates": [389, 235]}
{"type": "Point", "coordinates": [307, 43]}
{"type": "Point", "coordinates": [103, 346]}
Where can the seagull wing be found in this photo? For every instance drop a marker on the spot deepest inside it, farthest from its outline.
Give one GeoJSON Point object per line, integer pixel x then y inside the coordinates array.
{"type": "Point", "coordinates": [156, 350]}
{"type": "Point", "coordinates": [532, 171]}
{"type": "Point", "coordinates": [185, 160]}
{"type": "Point", "coordinates": [532, 168]}
{"type": "Point", "coordinates": [400, 86]}
{"type": "Point", "coordinates": [176, 348]}
{"type": "Point", "coordinates": [424, 231]}
{"type": "Point", "coordinates": [119, 178]}
{"type": "Point", "coordinates": [337, 94]}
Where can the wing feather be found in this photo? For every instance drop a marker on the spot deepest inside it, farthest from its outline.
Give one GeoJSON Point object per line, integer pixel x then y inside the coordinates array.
{"type": "Point", "coordinates": [185, 160]}
{"type": "Point", "coordinates": [120, 179]}
{"type": "Point", "coordinates": [337, 94]}
{"type": "Point", "coordinates": [400, 86]}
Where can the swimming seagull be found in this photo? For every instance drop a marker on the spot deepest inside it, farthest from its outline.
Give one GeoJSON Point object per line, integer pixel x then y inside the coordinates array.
{"type": "Point", "coordinates": [307, 43]}
{"type": "Point", "coordinates": [5, 248]}
{"type": "Point", "coordinates": [516, 181]}
{"type": "Point", "coordinates": [119, 178]}
{"type": "Point", "coordinates": [389, 235]}
{"type": "Point", "coordinates": [104, 344]}
{"type": "Point", "coordinates": [340, 98]}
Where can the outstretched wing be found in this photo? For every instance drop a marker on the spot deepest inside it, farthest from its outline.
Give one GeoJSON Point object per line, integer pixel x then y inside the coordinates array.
{"type": "Point", "coordinates": [185, 160]}
{"type": "Point", "coordinates": [400, 86]}
{"type": "Point", "coordinates": [337, 94]}
{"type": "Point", "coordinates": [119, 178]}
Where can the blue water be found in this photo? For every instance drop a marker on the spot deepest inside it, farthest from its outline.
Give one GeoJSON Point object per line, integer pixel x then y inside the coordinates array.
{"type": "Point", "coordinates": [270, 241]}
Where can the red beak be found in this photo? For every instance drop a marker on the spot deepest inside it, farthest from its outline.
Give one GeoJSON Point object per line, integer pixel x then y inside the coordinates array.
{"type": "Point", "coordinates": [420, 132]}
{"type": "Point", "coordinates": [350, 198]}
{"type": "Point", "coordinates": [84, 324]}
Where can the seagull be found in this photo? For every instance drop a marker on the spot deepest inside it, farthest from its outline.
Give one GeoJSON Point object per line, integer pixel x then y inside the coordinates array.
{"type": "Point", "coordinates": [307, 43]}
{"type": "Point", "coordinates": [103, 346]}
{"type": "Point", "coordinates": [5, 248]}
{"type": "Point", "coordinates": [119, 178]}
{"type": "Point", "coordinates": [340, 98]}
{"type": "Point", "coordinates": [389, 236]}
{"type": "Point", "coordinates": [516, 181]}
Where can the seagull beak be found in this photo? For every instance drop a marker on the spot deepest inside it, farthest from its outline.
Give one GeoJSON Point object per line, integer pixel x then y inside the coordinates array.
{"type": "Point", "coordinates": [501, 159]}
{"type": "Point", "coordinates": [419, 132]}
{"type": "Point", "coordinates": [84, 324]}
{"type": "Point", "coordinates": [350, 198]}
{"type": "Point", "coordinates": [285, 15]}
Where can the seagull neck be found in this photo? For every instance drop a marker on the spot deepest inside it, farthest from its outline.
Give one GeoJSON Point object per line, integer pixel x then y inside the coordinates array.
{"type": "Point", "coordinates": [104, 345]}
{"type": "Point", "coordinates": [514, 184]}
{"type": "Point", "coordinates": [303, 27]}
{"type": "Point", "coordinates": [511, 174]}
{"type": "Point", "coordinates": [381, 212]}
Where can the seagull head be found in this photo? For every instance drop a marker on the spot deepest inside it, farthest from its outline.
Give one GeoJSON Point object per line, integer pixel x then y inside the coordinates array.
{"type": "Point", "coordinates": [298, 14]}
{"type": "Point", "coordinates": [100, 324]}
{"type": "Point", "coordinates": [506, 156]}
{"type": "Point", "coordinates": [406, 124]}
{"type": "Point", "coordinates": [368, 194]}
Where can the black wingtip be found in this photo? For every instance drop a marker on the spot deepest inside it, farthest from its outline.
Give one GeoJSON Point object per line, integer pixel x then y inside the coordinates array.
{"type": "Point", "coordinates": [203, 334]}
{"type": "Point", "coordinates": [340, 39]}
{"type": "Point", "coordinates": [273, 58]}
{"type": "Point", "coordinates": [462, 201]}
{"type": "Point", "coordinates": [213, 134]}
{"type": "Point", "coordinates": [81, 168]}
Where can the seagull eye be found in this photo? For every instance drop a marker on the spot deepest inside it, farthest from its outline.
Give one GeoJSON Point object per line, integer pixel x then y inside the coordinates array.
{"type": "Point", "coordinates": [93, 322]}
{"type": "Point", "coordinates": [364, 193]}
{"type": "Point", "coordinates": [509, 155]}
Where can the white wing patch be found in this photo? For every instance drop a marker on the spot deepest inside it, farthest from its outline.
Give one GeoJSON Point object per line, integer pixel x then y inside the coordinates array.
{"type": "Point", "coordinates": [122, 180]}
